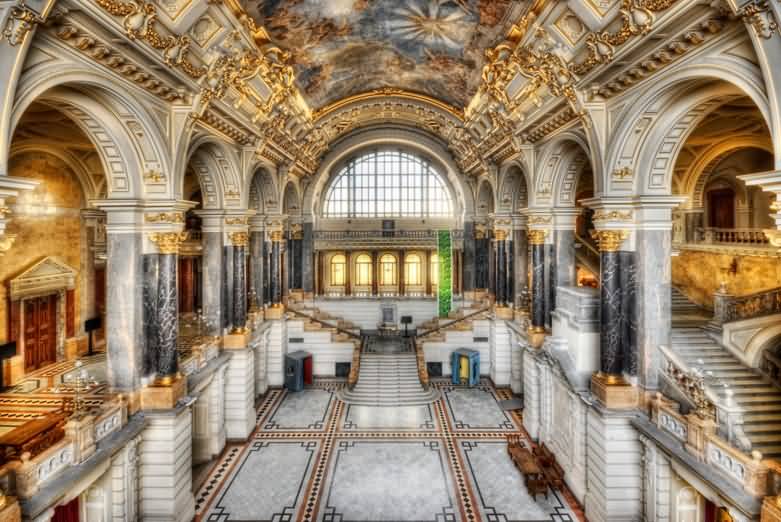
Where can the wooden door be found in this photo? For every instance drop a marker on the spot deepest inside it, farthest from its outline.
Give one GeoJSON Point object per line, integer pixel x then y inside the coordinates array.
{"type": "Point", "coordinates": [721, 211]}
{"type": "Point", "coordinates": [40, 332]}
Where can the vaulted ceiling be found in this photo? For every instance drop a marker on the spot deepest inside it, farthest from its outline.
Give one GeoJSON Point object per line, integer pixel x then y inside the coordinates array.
{"type": "Point", "coordinates": [344, 47]}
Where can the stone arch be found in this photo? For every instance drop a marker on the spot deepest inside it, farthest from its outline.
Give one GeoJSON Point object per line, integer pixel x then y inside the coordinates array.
{"type": "Point", "coordinates": [421, 143]}
{"type": "Point", "coordinates": [261, 188]}
{"type": "Point", "coordinates": [643, 149]}
{"type": "Point", "coordinates": [216, 167]}
{"type": "Point", "coordinates": [486, 200]}
{"type": "Point", "coordinates": [93, 187]}
{"type": "Point", "coordinates": [514, 189]}
{"type": "Point", "coordinates": [127, 135]}
{"type": "Point", "coordinates": [291, 199]}
{"type": "Point", "coordinates": [562, 161]}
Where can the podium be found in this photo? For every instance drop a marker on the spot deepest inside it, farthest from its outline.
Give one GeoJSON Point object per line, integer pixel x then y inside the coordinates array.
{"type": "Point", "coordinates": [465, 367]}
{"type": "Point", "coordinates": [298, 370]}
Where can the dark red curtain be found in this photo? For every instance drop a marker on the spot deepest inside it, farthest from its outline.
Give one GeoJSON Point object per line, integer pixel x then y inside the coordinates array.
{"type": "Point", "coordinates": [67, 513]}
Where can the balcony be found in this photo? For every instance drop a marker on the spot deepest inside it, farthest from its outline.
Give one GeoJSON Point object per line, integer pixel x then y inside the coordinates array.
{"type": "Point", "coordinates": [731, 241]}
{"type": "Point", "coordinates": [374, 239]}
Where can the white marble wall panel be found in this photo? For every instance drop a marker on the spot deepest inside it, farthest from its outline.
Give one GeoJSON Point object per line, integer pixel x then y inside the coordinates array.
{"type": "Point", "coordinates": [366, 312]}
{"type": "Point", "coordinates": [501, 348]}
{"type": "Point", "coordinates": [276, 350]}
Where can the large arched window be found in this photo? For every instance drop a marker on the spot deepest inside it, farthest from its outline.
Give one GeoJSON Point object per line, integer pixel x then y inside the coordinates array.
{"type": "Point", "coordinates": [363, 270]}
{"type": "Point", "coordinates": [338, 270]}
{"type": "Point", "coordinates": [388, 270]}
{"type": "Point", "coordinates": [389, 183]}
{"type": "Point", "coordinates": [412, 270]}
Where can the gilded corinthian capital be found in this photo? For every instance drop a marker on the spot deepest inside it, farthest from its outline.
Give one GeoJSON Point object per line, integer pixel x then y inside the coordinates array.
{"type": "Point", "coordinates": [168, 242]}
{"type": "Point", "coordinates": [537, 237]}
{"type": "Point", "coordinates": [239, 239]}
{"type": "Point", "coordinates": [609, 240]}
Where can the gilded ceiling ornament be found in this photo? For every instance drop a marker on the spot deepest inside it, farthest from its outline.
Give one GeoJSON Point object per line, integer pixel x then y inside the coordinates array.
{"type": "Point", "coordinates": [153, 176]}
{"type": "Point", "coordinates": [609, 240]}
{"type": "Point", "coordinates": [613, 215]}
{"type": "Point", "coordinates": [168, 242]}
{"type": "Point", "coordinates": [232, 194]}
{"type": "Point", "coordinates": [760, 16]}
{"type": "Point", "coordinates": [480, 231]}
{"type": "Point", "coordinates": [165, 217]}
{"type": "Point", "coordinates": [537, 237]}
{"type": "Point", "coordinates": [239, 239]}
{"type": "Point", "coordinates": [623, 173]}
{"type": "Point", "coordinates": [20, 22]}
{"type": "Point", "coordinates": [296, 231]}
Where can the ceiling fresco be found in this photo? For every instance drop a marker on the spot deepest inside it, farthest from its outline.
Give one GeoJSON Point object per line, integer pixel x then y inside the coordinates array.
{"type": "Point", "coordinates": [345, 47]}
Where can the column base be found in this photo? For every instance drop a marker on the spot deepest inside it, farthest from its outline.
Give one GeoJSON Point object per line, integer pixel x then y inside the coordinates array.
{"type": "Point", "coordinates": [275, 312]}
{"type": "Point", "coordinates": [164, 395]}
{"type": "Point", "coordinates": [614, 392]}
{"type": "Point", "coordinates": [504, 312]}
{"type": "Point", "coordinates": [536, 336]}
{"type": "Point", "coordinates": [236, 340]}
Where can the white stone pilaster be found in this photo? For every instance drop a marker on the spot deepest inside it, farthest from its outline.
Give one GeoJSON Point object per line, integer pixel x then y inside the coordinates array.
{"type": "Point", "coordinates": [125, 483]}
{"type": "Point", "coordinates": [516, 365]}
{"type": "Point", "coordinates": [276, 351]}
{"type": "Point", "coordinates": [500, 353]}
{"type": "Point", "coordinates": [615, 482]}
{"type": "Point", "coordinates": [166, 467]}
{"type": "Point", "coordinates": [656, 483]}
{"type": "Point", "coordinates": [531, 394]}
{"type": "Point", "coordinates": [240, 394]}
{"type": "Point", "coordinates": [209, 432]}
{"type": "Point", "coordinates": [260, 346]}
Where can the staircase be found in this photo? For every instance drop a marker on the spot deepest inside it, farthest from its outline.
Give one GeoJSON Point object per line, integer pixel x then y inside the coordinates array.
{"type": "Point", "coordinates": [725, 373]}
{"type": "Point", "coordinates": [389, 380]}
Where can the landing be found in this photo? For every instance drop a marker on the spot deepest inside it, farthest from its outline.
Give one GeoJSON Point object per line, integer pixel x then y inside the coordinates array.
{"type": "Point", "coordinates": [388, 344]}
{"type": "Point", "coordinates": [329, 461]}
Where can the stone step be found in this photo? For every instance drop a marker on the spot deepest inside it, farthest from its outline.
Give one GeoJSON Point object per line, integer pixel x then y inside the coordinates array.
{"type": "Point", "coordinates": [763, 427]}
{"type": "Point", "coordinates": [761, 417]}
{"type": "Point", "coordinates": [753, 400]}
{"type": "Point", "coordinates": [768, 450]}
{"type": "Point", "coordinates": [759, 388]}
{"type": "Point", "coordinates": [761, 408]}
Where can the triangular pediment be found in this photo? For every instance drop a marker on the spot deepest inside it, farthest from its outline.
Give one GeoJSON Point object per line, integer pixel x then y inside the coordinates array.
{"type": "Point", "coordinates": [48, 275]}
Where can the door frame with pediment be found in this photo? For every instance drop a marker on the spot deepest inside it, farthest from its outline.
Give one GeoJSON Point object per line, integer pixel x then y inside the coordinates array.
{"type": "Point", "coordinates": [49, 276]}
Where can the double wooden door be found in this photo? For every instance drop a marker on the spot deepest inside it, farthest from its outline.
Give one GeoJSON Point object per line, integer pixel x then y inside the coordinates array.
{"type": "Point", "coordinates": [40, 332]}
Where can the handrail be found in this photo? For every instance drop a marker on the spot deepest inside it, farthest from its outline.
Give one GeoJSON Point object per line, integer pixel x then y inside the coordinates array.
{"type": "Point", "coordinates": [728, 308]}
{"type": "Point", "coordinates": [355, 366]}
{"type": "Point", "coordinates": [741, 236]}
{"type": "Point", "coordinates": [693, 385]}
{"type": "Point", "coordinates": [587, 244]}
{"type": "Point", "coordinates": [323, 323]}
{"type": "Point", "coordinates": [451, 323]}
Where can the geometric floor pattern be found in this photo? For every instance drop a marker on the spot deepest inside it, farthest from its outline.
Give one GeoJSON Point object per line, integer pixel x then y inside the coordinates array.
{"type": "Point", "coordinates": [315, 458]}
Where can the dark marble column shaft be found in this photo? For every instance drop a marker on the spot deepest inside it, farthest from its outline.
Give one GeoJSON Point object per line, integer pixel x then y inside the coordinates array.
{"type": "Point", "coordinates": [256, 269]}
{"type": "Point", "coordinates": [612, 357]}
{"type": "Point", "coordinates": [538, 285]}
{"type": "Point", "coordinates": [509, 298]}
{"type": "Point", "coordinates": [308, 259]}
{"type": "Point", "coordinates": [167, 316]}
{"type": "Point", "coordinates": [239, 288]}
{"type": "Point", "coordinates": [151, 264]}
{"type": "Point", "coordinates": [501, 271]}
{"type": "Point", "coordinates": [276, 270]}
{"type": "Point", "coordinates": [468, 268]}
{"type": "Point", "coordinates": [521, 262]}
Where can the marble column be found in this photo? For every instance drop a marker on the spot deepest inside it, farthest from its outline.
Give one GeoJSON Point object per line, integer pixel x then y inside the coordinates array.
{"type": "Point", "coordinates": [468, 268]}
{"type": "Point", "coordinates": [227, 287]}
{"type": "Point", "coordinates": [124, 314]}
{"type": "Point", "coordinates": [537, 241]}
{"type": "Point", "coordinates": [296, 264]}
{"type": "Point", "coordinates": [612, 354]}
{"type": "Point", "coordinates": [276, 268]}
{"type": "Point", "coordinates": [481, 258]}
{"type": "Point", "coordinates": [239, 241]}
{"type": "Point", "coordinates": [308, 259]}
{"type": "Point", "coordinates": [509, 271]}
{"type": "Point", "coordinates": [521, 266]}
{"type": "Point", "coordinates": [167, 313]}
{"type": "Point", "coordinates": [501, 268]}
{"type": "Point", "coordinates": [151, 266]}
{"type": "Point", "coordinates": [564, 246]}
{"type": "Point", "coordinates": [256, 269]}
{"type": "Point", "coordinates": [266, 272]}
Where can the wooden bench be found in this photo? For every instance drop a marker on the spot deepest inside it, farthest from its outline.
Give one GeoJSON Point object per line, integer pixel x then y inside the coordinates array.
{"type": "Point", "coordinates": [527, 464]}
{"type": "Point", "coordinates": [554, 474]}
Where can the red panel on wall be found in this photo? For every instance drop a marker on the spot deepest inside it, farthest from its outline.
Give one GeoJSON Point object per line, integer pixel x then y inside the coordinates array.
{"type": "Point", "coordinates": [70, 313]}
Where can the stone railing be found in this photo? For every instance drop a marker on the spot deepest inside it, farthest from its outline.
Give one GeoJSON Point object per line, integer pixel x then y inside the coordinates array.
{"type": "Point", "coordinates": [197, 355]}
{"type": "Point", "coordinates": [706, 402]}
{"type": "Point", "coordinates": [337, 235]}
{"type": "Point", "coordinates": [728, 308]}
{"type": "Point", "coordinates": [82, 433]}
{"type": "Point", "coordinates": [699, 437]}
{"type": "Point", "coordinates": [732, 236]}
{"type": "Point", "coordinates": [355, 366]}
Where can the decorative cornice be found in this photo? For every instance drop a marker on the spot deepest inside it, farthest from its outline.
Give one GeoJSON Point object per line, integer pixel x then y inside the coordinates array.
{"type": "Point", "coordinates": [609, 240]}
{"type": "Point", "coordinates": [237, 220]}
{"type": "Point", "coordinates": [613, 215]}
{"type": "Point", "coordinates": [622, 174]}
{"type": "Point", "coordinates": [239, 239]}
{"type": "Point", "coordinates": [540, 220]}
{"type": "Point", "coordinates": [168, 242]}
{"type": "Point", "coordinates": [537, 237]}
{"type": "Point", "coordinates": [172, 218]}
{"type": "Point", "coordinates": [20, 21]}
{"type": "Point", "coordinates": [383, 93]}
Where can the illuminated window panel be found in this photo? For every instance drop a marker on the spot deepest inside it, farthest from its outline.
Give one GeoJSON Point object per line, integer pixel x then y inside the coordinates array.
{"type": "Point", "coordinates": [338, 270]}
{"type": "Point", "coordinates": [388, 184]}
{"type": "Point", "coordinates": [388, 270]}
{"type": "Point", "coordinates": [363, 270]}
{"type": "Point", "coordinates": [413, 270]}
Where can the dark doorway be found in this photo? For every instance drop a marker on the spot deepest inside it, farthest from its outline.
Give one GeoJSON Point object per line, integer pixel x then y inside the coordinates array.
{"type": "Point", "coordinates": [40, 332]}
{"type": "Point", "coordinates": [721, 208]}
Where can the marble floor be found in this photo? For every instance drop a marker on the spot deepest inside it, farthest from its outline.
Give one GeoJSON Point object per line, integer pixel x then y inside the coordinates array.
{"type": "Point", "coordinates": [314, 458]}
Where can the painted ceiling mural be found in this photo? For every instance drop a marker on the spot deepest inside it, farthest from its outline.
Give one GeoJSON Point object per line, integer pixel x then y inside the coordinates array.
{"type": "Point", "coordinates": [344, 47]}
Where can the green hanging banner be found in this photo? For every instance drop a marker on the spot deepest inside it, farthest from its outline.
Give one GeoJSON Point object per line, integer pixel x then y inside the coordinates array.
{"type": "Point", "coordinates": [444, 287]}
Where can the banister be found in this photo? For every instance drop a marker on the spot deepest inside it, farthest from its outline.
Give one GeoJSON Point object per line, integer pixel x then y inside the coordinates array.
{"type": "Point", "coordinates": [451, 323]}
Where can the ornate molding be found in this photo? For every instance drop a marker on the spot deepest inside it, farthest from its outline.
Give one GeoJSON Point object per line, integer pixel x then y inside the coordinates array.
{"type": "Point", "coordinates": [154, 177]}
{"type": "Point", "coordinates": [296, 231]}
{"type": "Point", "coordinates": [774, 236]}
{"type": "Point", "coordinates": [540, 220]}
{"type": "Point", "coordinates": [20, 22]}
{"type": "Point", "coordinates": [172, 218]}
{"type": "Point", "coordinates": [6, 242]}
{"type": "Point", "coordinates": [237, 220]}
{"type": "Point", "coordinates": [276, 236]}
{"type": "Point", "coordinates": [609, 240]}
{"type": "Point", "coordinates": [168, 242]}
{"type": "Point", "coordinates": [612, 215]}
{"type": "Point", "coordinates": [760, 17]}
{"type": "Point", "coordinates": [382, 94]}
{"type": "Point", "coordinates": [622, 174]}
{"type": "Point", "coordinates": [239, 239]}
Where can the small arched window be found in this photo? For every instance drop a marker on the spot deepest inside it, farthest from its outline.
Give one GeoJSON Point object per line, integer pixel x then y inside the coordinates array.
{"type": "Point", "coordinates": [434, 269]}
{"type": "Point", "coordinates": [363, 270]}
{"type": "Point", "coordinates": [338, 270]}
{"type": "Point", "coordinates": [412, 270]}
{"type": "Point", "coordinates": [388, 270]}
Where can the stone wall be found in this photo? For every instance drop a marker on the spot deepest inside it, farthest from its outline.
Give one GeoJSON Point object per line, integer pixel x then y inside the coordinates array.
{"type": "Point", "coordinates": [698, 274]}
{"type": "Point", "coordinates": [56, 231]}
